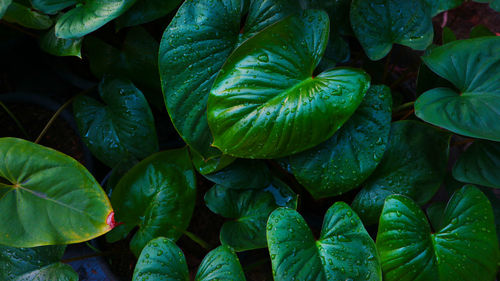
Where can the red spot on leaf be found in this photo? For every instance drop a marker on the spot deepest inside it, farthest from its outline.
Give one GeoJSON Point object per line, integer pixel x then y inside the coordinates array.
{"type": "Point", "coordinates": [110, 220]}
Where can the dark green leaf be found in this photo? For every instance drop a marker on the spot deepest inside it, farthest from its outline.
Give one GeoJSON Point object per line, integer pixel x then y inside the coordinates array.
{"type": "Point", "coordinates": [24, 16]}
{"type": "Point", "coordinates": [380, 23]}
{"type": "Point", "coordinates": [249, 210]}
{"type": "Point", "coordinates": [465, 248]}
{"type": "Point", "coordinates": [344, 250]}
{"type": "Point", "coordinates": [348, 158]}
{"type": "Point", "coordinates": [494, 4]}
{"type": "Point", "coordinates": [207, 166]}
{"type": "Point", "coordinates": [60, 47]}
{"type": "Point", "coordinates": [89, 16]}
{"type": "Point", "coordinates": [472, 66]}
{"type": "Point", "coordinates": [243, 174]}
{"type": "Point", "coordinates": [193, 51]}
{"type": "Point", "coordinates": [448, 35]}
{"type": "Point", "coordinates": [220, 264]}
{"type": "Point", "coordinates": [435, 214]}
{"type": "Point", "coordinates": [265, 102]}
{"type": "Point", "coordinates": [144, 11]}
{"type": "Point", "coordinates": [158, 196]}
{"type": "Point", "coordinates": [4, 5]}
{"type": "Point", "coordinates": [47, 197]}
{"type": "Point", "coordinates": [480, 31]}
{"type": "Point", "coordinates": [414, 165]}
{"type": "Point", "coordinates": [53, 272]}
{"type": "Point", "coordinates": [52, 6]}
{"type": "Point", "coordinates": [120, 127]}
{"type": "Point", "coordinates": [479, 164]}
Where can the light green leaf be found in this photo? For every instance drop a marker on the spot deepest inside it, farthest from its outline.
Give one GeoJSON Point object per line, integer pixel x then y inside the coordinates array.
{"type": "Point", "coordinates": [193, 49]}
{"type": "Point", "coordinates": [380, 23]}
{"type": "Point", "coordinates": [464, 248]}
{"type": "Point", "coordinates": [414, 165]}
{"type": "Point", "coordinates": [89, 16]}
{"type": "Point", "coordinates": [144, 11]}
{"type": "Point", "coordinates": [249, 210]}
{"type": "Point", "coordinates": [24, 16]}
{"type": "Point", "coordinates": [265, 103]}
{"type": "Point", "coordinates": [158, 196]}
{"type": "Point", "coordinates": [344, 251]}
{"type": "Point", "coordinates": [348, 158]}
{"type": "Point", "coordinates": [472, 109]}
{"type": "Point", "coordinates": [220, 264]}
{"type": "Point", "coordinates": [479, 164]}
{"type": "Point", "coordinates": [52, 6]}
{"type": "Point", "coordinates": [60, 47]}
{"type": "Point", "coordinates": [121, 126]}
{"type": "Point", "coordinates": [4, 5]}
{"type": "Point", "coordinates": [47, 197]}
{"type": "Point", "coordinates": [53, 272]}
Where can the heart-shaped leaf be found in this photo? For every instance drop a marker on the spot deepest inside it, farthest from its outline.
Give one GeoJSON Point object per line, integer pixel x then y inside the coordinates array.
{"type": "Point", "coordinates": [414, 165]}
{"type": "Point", "coordinates": [89, 16]}
{"type": "Point", "coordinates": [52, 6]}
{"type": "Point", "coordinates": [19, 263]}
{"type": "Point", "coordinates": [4, 5]}
{"type": "Point", "coordinates": [121, 127]}
{"type": "Point", "coordinates": [47, 197]}
{"type": "Point", "coordinates": [162, 260]}
{"type": "Point", "coordinates": [144, 11]}
{"type": "Point", "coordinates": [479, 164]}
{"type": "Point", "coordinates": [193, 49]}
{"type": "Point", "coordinates": [344, 250]}
{"type": "Point", "coordinates": [24, 16]}
{"type": "Point", "coordinates": [380, 23]}
{"type": "Point", "coordinates": [265, 102]}
{"type": "Point", "coordinates": [349, 157]}
{"type": "Point", "coordinates": [158, 196]}
{"type": "Point", "coordinates": [464, 248]}
{"type": "Point", "coordinates": [60, 47]}
{"type": "Point", "coordinates": [471, 110]}
{"type": "Point", "coordinates": [249, 209]}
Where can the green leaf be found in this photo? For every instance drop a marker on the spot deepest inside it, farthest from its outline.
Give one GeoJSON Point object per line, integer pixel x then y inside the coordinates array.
{"type": "Point", "coordinates": [471, 110]}
{"type": "Point", "coordinates": [24, 16]}
{"type": "Point", "coordinates": [414, 165]}
{"type": "Point", "coordinates": [435, 214]}
{"type": "Point", "coordinates": [207, 166]}
{"type": "Point", "coordinates": [162, 260]}
{"type": "Point", "coordinates": [52, 6]}
{"type": "Point", "coordinates": [144, 11]}
{"type": "Point", "coordinates": [265, 102]}
{"type": "Point", "coordinates": [380, 23]}
{"type": "Point", "coordinates": [4, 5]}
{"type": "Point", "coordinates": [89, 16]}
{"type": "Point", "coordinates": [60, 47]}
{"type": "Point", "coordinates": [249, 210]}
{"type": "Point", "coordinates": [448, 35]}
{"type": "Point", "coordinates": [158, 196]}
{"type": "Point", "coordinates": [480, 31]}
{"type": "Point", "coordinates": [438, 6]}
{"type": "Point", "coordinates": [344, 250]}
{"type": "Point", "coordinates": [243, 174]}
{"type": "Point", "coordinates": [479, 164]}
{"type": "Point", "coordinates": [15, 262]}
{"type": "Point", "coordinates": [465, 248]}
{"type": "Point", "coordinates": [47, 197]}
{"type": "Point", "coordinates": [348, 158]}
{"type": "Point", "coordinates": [54, 272]}
{"type": "Point", "coordinates": [121, 126]}
{"type": "Point", "coordinates": [193, 51]}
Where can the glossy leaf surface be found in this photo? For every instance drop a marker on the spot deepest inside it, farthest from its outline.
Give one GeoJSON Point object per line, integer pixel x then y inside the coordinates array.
{"type": "Point", "coordinates": [249, 210]}
{"type": "Point", "coordinates": [144, 11]}
{"type": "Point", "coordinates": [349, 157]}
{"type": "Point", "coordinates": [479, 164]}
{"type": "Point", "coordinates": [24, 16]}
{"type": "Point", "coordinates": [54, 272]}
{"type": "Point", "coordinates": [265, 102]}
{"type": "Point", "coordinates": [220, 264]}
{"type": "Point", "coordinates": [119, 126]}
{"type": "Point", "coordinates": [193, 49]}
{"type": "Point", "coordinates": [89, 16]}
{"type": "Point", "coordinates": [60, 47]}
{"type": "Point", "coordinates": [158, 196]}
{"type": "Point", "coordinates": [414, 165]}
{"type": "Point", "coordinates": [380, 23]}
{"type": "Point", "coordinates": [344, 251]}
{"type": "Point", "coordinates": [464, 248]}
{"type": "Point", "coordinates": [472, 110]}
{"type": "Point", "coordinates": [38, 206]}
{"type": "Point", "coordinates": [52, 6]}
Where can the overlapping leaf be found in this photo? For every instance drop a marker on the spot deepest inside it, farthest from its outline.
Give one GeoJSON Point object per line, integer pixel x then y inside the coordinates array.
{"type": "Point", "coordinates": [24, 16]}
{"type": "Point", "coordinates": [479, 164]}
{"type": "Point", "coordinates": [60, 47]}
{"type": "Point", "coordinates": [52, 6]}
{"type": "Point", "coordinates": [144, 11]}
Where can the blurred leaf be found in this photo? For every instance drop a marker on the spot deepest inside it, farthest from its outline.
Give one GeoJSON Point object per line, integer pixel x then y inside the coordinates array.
{"type": "Point", "coordinates": [24, 16]}
{"type": "Point", "coordinates": [144, 11]}
{"type": "Point", "coordinates": [52, 6]}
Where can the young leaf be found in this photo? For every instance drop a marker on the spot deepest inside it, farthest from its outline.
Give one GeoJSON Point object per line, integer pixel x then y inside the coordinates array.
{"type": "Point", "coordinates": [120, 127]}
{"type": "Point", "coordinates": [479, 164]}
{"type": "Point", "coordinates": [414, 165]}
{"type": "Point", "coordinates": [144, 11]}
{"type": "Point", "coordinates": [349, 157]}
{"type": "Point", "coordinates": [47, 198]}
{"type": "Point", "coordinates": [89, 16]}
{"type": "Point", "coordinates": [344, 250]}
{"type": "Point", "coordinates": [193, 52]}
{"type": "Point", "coordinates": [265, 103]}
{"type": "Point", "coordinates": [60, 47]}
{"type": "Point", "coordinates": [24, 16]}
{"type": "Point", "coordinates": [162, 260]}
{"type": "Point", "coordinates": [380, 23]}
{"type": "Point", "coordinates": [52, 6]}
{"type": "Point", "coordinates": [249, 210]}
{"type": "Point", "coordinates": [4, 5]}
{"type": "Point", "coordinates": [158, 196]}
{"type": "Point", "coordinates": [472, 66]}
{"type": "Point", "coordinates": [464, 248]}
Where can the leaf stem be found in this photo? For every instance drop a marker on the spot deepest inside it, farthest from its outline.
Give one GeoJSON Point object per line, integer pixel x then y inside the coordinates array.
{"type": "Point", "coordinates": [197, 240]}
{"type": "Point", "coordinates": [404, 106]}
{"type": "Point", "coordinates": [18, 123]}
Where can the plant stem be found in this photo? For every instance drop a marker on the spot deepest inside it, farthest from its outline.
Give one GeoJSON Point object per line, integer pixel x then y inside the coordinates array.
{"type": "Point", "coordinates": [404, 106]}
{"type": "Point", "coordinates": [19, 125]}
{"type": "Point", "coordinates": [197, 240]}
